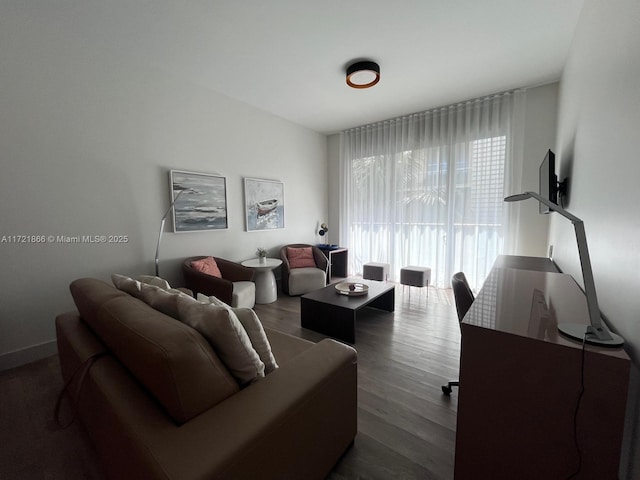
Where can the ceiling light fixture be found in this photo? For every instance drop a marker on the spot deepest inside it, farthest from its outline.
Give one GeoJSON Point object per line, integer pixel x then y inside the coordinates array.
{"type": "Point", "coordinates": [363, 74]}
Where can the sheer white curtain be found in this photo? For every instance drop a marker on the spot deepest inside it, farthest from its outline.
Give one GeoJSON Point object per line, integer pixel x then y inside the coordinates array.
{"type": "Point", "coordinates": [427, 189]}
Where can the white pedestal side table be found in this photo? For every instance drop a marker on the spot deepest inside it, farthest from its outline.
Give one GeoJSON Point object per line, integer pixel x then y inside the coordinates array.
{"type": "Point", "coordinates": [265, 280]}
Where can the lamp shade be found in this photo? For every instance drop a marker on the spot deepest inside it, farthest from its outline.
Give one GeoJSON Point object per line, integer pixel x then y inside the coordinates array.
{"type": "Point", "coordinates": [363, 74]}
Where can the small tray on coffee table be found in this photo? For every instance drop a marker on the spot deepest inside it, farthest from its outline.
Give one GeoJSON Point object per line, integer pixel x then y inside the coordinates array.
{"type": "Point", "coordinates": [352, 289]}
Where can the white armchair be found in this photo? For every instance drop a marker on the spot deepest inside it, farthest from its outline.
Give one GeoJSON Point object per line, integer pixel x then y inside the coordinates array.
{"type": "Point", "coordinates": [304, 268]}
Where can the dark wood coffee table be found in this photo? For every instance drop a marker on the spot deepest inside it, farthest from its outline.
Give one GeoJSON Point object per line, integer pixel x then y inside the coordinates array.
{"type": "Point", "coordinates": [326, 311]}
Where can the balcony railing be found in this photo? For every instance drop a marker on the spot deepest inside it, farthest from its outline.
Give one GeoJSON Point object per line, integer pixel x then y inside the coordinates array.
{"type": "Point", "coordinates": [468, 247]}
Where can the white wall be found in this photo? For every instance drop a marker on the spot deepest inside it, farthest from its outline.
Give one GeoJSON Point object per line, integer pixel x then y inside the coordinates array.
{"type": "Point", "coordinates": [538, 135]}
{"type": "Point", "coordinates": [334, 188]}
{"type": "Point", "coordinates": [598, 147]}
{"type": "Point", "coordinates": [87, 138]}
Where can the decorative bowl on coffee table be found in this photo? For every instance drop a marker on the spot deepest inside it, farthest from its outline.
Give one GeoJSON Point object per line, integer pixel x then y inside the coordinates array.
{"type": "Point", "coordinates": [352, 289]}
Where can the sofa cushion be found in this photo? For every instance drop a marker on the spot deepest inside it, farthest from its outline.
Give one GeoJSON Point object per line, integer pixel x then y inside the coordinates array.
{"type": "Point", "coordinates": [303, 280]}
{"type": "Point", "coordinates": [171, 360]}
{"type": "Point", "coordinates": [300, 257]}
{"type": "Point", "coordinates": [207, 265]}
{"type": "Point", "coordinates": [286, 347]}
{"type": "Point", "coordinates": [227, 336]}
{"type": "Point", "coordinates": [88, 305]}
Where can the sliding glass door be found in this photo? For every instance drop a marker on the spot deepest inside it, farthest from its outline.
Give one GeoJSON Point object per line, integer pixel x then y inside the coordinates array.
{"type": "Point", "coordinates": [428, 190]}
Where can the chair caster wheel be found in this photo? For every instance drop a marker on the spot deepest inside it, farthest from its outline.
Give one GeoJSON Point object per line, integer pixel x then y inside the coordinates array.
{"type": "Point", "coordinates": [446, 390]}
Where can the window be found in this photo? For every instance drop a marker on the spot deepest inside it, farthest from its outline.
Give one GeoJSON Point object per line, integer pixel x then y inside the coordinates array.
{"type": "Point", "coordinates": [420, 192]}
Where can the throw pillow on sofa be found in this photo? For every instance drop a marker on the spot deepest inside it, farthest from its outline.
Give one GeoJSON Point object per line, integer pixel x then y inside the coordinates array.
{"type": "Point", "coordinates": [165, 301]}
{"type": "Point", "coordinates": [132, 286]}
{"type": "Point", "coordinates": [254, 329]}
{"type": "Point", "coordinates": [127, 284]}
{"type": "Point", "coordinates": [222, 329]}
{"type": "Point", "coordinates": [153, 280]}
{"type": "Point", "coordinates": [258, 337]}
{"type": "Point", "coordinates": [157, 297]}
{"type": "Point", "coordinates": [300, 257]}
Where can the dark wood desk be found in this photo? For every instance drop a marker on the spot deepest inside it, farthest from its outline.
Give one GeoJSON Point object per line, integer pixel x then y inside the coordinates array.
{"type": "Point", "coordinates": [537, 264]}
{"type": "Point", "coordinates": [520, 381]}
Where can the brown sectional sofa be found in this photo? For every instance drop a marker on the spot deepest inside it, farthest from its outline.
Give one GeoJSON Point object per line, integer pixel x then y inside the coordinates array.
{"type": "Point", "coordinates": [159, 404]}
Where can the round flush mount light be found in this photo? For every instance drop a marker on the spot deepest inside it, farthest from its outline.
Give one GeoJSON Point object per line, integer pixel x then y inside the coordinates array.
{"type": "Point", "coordinates": [363, 74]}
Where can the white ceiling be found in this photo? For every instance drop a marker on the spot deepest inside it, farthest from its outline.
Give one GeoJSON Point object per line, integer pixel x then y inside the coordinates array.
{"type": "Point", "coordinates": [288, 57]}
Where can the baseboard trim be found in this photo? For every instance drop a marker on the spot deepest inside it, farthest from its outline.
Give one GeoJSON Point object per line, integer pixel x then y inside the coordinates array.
{"type": "Point", "coordinates": [28, 355]}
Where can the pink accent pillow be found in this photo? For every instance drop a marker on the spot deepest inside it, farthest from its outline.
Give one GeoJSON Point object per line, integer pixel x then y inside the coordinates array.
{"type": "Point", "coordinates": [207, 265]}
{"type": "Point", "coordinates": [300, 257]}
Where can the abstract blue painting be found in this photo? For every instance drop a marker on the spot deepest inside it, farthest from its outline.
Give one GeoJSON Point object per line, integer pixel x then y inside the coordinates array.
{"type": "Point", "coordinates": [200, 201]}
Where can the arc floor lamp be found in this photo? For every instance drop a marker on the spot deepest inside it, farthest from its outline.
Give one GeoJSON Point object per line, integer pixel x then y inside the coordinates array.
{"type": "Point", "coordinates": [164, 217]}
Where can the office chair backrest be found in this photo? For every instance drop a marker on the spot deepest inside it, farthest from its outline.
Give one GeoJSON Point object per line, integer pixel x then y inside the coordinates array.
{"type": "Point", "coordinates": [462, 293]}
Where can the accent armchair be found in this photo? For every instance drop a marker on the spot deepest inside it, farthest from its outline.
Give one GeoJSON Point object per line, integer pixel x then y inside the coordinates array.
{"type": "Point", "coordinates": [303, 275]}
{"type": "Point", "coordinates": [235, 288]}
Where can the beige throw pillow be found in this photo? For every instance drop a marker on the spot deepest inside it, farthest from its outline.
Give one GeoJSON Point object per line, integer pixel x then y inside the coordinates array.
{"type": "Point", "coordinates": [201, 297]}
{"type": "Point", "coordinates": [126, 284]}
{"type": "Point", "coordinates": [165, 301]}
{"type": "Point", "coordinates": [153, 280]}
{"type": "Point", "coordinates": [258, 337]}
{"type": "Point", "coordinates": [222, 329]}
{"type": "Point", "coordinates": [254, 329]}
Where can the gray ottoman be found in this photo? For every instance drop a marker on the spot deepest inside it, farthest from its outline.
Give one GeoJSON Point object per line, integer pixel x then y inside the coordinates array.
{"type": "Point", "coordinates": [375, 271]}
{"type": "Point", "coordinates": [415, 277]}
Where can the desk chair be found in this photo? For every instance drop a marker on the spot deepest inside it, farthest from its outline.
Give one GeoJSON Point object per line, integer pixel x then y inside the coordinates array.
{"type": "Point", "coordinates": [464, 298]}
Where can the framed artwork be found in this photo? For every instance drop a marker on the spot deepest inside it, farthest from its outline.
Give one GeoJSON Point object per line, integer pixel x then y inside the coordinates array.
{"type": "Point", "coordinates": [263, 204]}
{"type": "Point", "coordinates": [200, 201]}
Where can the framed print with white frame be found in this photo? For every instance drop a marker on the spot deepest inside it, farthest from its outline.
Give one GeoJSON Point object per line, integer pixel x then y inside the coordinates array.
{"type": "Point", "coordinates": [200, 201]}
{"type": "Point", "coordinates": [263, 204]}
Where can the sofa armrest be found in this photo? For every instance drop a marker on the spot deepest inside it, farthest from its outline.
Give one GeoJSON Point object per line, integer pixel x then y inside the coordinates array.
{"type": "Point", "coordinates": [294, 423]}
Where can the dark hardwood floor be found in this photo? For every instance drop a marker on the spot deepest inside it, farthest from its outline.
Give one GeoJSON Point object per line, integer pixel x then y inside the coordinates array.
{"type": "Point", "coordinates": [406, 426]}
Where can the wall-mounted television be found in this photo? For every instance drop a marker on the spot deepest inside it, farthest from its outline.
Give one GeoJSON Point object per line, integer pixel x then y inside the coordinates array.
{"type": "Point", "coordinates": [548, 181]}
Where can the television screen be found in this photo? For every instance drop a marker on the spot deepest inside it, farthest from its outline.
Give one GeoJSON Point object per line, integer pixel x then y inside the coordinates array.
{"type": "Point", "coordinates": [548, 181]}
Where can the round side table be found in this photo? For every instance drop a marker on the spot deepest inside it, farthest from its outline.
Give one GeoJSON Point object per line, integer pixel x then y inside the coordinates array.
{"type": "Point", "coordinates": [265, 280]}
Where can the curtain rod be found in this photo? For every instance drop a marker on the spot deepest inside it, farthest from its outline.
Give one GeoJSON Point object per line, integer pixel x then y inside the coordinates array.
{"type": "Point", "coordinates": [433, 110]}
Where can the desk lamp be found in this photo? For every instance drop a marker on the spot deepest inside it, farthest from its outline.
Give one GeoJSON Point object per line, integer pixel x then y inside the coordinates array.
{"type": "Point", "coordinates": [596, 333]}
{"type": "Point", "coordinates": [164, 217]}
